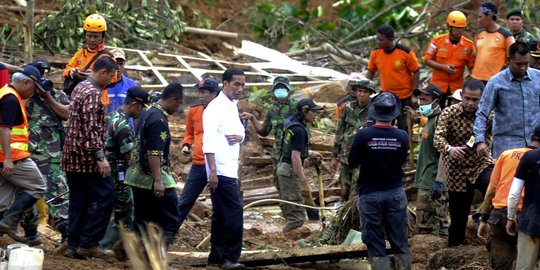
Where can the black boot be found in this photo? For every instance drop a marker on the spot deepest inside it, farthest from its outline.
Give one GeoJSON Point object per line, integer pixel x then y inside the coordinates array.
{"type": "Point", "coordinates": [14, 215]}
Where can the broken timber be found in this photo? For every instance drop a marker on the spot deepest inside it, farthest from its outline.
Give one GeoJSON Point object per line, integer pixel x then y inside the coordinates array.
{"type": "Point", "coordinates": [294, 255]}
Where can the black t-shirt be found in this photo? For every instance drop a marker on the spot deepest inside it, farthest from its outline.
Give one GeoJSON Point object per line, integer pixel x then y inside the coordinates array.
{"type": "Point", "coordinates": [10, 111]}
{"type": "Point", "coordinates": [298, 141]}
{"type": "Point", "coordinates": [528, 170]}
{"type": "Point", "coordinates": [380, 151]}
{"type": "Point", "coordinates": [155, 138]}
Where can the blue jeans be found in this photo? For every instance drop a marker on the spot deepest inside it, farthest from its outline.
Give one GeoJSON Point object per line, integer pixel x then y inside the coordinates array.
{"type": "Point", "coordinates": [196, 181]}
{"type": "Point", "coordinates": [227, 222]}
{"type": "Point", "coordinates": [91, 201]}
{"type": "Point", "coordinates": [380, 212]}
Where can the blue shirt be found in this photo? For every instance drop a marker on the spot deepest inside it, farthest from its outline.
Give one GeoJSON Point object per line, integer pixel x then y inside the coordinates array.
{"type": "Point", "coordinates": [117, 93]}
{"type": "Point", "coordinates": [516, 107]}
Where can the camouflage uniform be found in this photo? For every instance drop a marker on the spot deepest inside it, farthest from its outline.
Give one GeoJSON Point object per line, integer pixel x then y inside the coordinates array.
{"type": "Point", "coordinates": [119, 139]}
{"type": "Point", "coordinates": [275, 117]}
{"type": "Point", "coordinates": [353, 117]}
{"type": "Point", "coordinates": [45, 132]}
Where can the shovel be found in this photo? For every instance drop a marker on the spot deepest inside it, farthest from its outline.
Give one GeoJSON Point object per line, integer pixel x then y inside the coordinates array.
{"type": "Point", "coordinates": [312, 214]}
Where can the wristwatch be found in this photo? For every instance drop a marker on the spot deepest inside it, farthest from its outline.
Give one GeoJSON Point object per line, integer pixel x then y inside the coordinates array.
{"type": "Point", "coordinates": [448, 149]}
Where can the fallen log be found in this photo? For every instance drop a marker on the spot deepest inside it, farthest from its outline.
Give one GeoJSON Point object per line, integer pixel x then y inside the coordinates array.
{"type": "Point", "coordinates": [272, 257]}
{"type": "Point", "coordinates": [210, 32]}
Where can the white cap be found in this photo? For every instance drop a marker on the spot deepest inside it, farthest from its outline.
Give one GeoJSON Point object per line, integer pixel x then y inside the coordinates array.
{"type": "Point", "coordinates": [457, 95]}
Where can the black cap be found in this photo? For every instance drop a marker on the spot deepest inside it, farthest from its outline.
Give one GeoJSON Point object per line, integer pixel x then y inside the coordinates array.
{"type": "Point", "coordinates": [307, 104]}
{"type": "Point", "coordinates": [534, 47]}
{"type": "Point", "coordinates": [515, 12]}
{"type": "Point", "coordinates": [282, 80]}
{"type": "Point", "coordinates": [385, 107]}
{"type": "Point", "coordinates": [429, 89]}
{"type": "Point", "coordinates": [536, 131]}
{"type": "Point", "coordinates": [42, 65]}
{"type": "Point", "coordinates": [34, 74]}
{"type": "Point", "coordinates": [209, 84]}
{"type": "Point", "coordinates": [138, 94]}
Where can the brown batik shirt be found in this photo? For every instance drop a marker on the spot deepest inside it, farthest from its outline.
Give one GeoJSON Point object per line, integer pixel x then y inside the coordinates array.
{"type": "Point", "coordinates": [85, 131]}
{"type": "Point", "coordinates": [455, 128]}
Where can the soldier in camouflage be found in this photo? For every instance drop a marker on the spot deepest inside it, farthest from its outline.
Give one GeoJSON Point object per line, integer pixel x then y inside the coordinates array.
{"type": "Point", "coordinates": [281, 109]}
{"type": "Point", "coordinates": [119, 139]}
{"type": "Point", "coordinates": [353, 117]}
{"type": "Point", "coordinates": [46, 111]}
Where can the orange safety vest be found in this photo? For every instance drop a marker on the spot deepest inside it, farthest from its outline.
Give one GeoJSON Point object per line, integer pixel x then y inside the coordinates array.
{"type": "Point", "coordinates": [19, 134]}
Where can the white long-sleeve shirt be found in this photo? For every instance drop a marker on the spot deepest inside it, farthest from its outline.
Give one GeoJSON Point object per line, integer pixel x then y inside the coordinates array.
{"type": "Point", "coordinates": [221, 118]}
{"type": "Point", "coordinates": [514, 196]}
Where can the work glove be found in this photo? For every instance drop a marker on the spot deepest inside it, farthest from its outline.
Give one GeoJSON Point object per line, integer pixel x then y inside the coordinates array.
{"type": "Point", "coordinates": [436, 190]}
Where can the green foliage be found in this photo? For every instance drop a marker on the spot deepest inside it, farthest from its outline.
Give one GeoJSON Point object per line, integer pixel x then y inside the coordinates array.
{"type": "Point", "coordinates": [260, 97]}
{"type": "Point", "coordinates": [144, 23]}
{"type": "Point", "coordinates": [303, 26]}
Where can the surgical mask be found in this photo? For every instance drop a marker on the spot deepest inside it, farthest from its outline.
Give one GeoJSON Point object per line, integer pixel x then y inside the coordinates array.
{"type": "Point", "coordinates": [281, 93]}
{"type": "Point", "coordinates": [426, 110]}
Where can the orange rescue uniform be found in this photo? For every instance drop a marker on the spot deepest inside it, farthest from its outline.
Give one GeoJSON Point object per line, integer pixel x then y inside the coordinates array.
{"type": "Point", "coordinates": [194, 133]}
{"type": "Point", "coordinates": [19, 134]}
{"type": "Point", "coordinates": [491, 53]}
{"type": "Point", "coordinates": [442, 51]}
{"type": "Point", "coordinates": [81, 58]}
{"type": "Point", "coordinates": [396, 69]}
{"type": "Point", "coordinates": [502, 177]}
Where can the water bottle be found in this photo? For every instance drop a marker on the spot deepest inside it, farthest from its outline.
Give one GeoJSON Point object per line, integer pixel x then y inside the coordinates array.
{"type": "Point", "coordinates": [121, 167]}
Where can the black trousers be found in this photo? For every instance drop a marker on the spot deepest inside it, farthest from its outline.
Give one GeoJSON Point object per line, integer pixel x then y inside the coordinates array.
{"type": "Point", "coordinates": [460, 207]}
{"type": "Point", "coordinates": [227, 222]}
{"type": "Point", "coordinates": [91, 201]}
{"type": "Point", "coordinates": [162, 211]}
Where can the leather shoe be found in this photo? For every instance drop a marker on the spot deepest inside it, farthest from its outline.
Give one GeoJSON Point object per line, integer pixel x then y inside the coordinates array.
{"type": "Point", "coordinates": [96, 252]}
{"type": "Point", "coordinates": [13, 234]}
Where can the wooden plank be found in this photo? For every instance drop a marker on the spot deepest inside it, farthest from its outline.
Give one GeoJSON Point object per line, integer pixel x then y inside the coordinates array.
{"type": "Point", "coordinates": [149, 63]}
{"type": "Point", "coordinates": [272, 257]}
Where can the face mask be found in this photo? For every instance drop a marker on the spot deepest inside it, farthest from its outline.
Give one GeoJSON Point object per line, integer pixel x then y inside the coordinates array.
{"type": "Point", "coordinates": [281, 93]}
{"type": "Point", "coordinates": [426, 110]}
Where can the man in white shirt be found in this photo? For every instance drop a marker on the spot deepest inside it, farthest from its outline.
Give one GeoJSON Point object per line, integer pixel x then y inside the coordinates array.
{"type": "Point", "coordinates": [223, 133]}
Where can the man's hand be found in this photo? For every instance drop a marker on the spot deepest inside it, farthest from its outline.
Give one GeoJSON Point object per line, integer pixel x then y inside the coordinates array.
{"type": "Point", "coordinates": [511, 227]}
{"type": "Point", "coordinates": [212, 181]}
{"type": "Point", "coordinates": [74, 72]}
{"type": "Point", "coordinates": [436, 190]}
{"type": "Point", "coordinates": [450, 69]}
{"type": "Point", "coordinates": [457, 152]}
{"type": "Point", "coordinates": [482, 232]}
{"type": "Point", "coordinates": [247, 116]}
{"type": "Point", "coordinates": [104, 168]}
{"type": "Point", "coordinates": [159, 189]}
{"type": "Point", "coordinates": [7, 170]}
{"type": "Point", "coordinates": [482, 149]}
{"type": "Point", "coordinates": [185, 150]}
{"type": "Point", "coordinates": [232, 139]}
{"type": "Point", "coordinates": [333, 164]}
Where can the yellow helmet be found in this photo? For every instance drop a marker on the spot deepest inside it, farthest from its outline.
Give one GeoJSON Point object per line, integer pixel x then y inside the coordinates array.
{"type": "Point", "coordinates": [457, 19]}
{"type": "Point", "coordinates": [95, 23]}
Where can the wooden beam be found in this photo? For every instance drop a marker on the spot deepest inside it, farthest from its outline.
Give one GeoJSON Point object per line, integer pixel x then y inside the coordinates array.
{"type": "Point", "coordinates": [273, 257]}
{"type": "Point", "coordinates": [210, 32]}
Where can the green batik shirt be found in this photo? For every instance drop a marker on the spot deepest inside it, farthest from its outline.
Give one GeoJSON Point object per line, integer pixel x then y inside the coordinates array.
{"type": "Point", "coordinates": [119, 138]}
{"type": "Point", "coordinates": [353, 117]}
{"type": "Point", "coordinates": [275, 118]}
{"type": "Point", "coordinates": [152, 139]}
{"type": "Point", "coordinates": [44, 128]}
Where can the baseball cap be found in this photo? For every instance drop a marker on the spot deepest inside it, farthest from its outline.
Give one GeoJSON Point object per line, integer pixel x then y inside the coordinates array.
{"type": "Point", "coordinates": [34, 74]}
{"type": "Point", "coordinates": [307, 104]}
{"type": "Point", "coordinates": [534, 47]}
{"type": "Point", "coordinates": [209, 84]}
{"type": "Point", "coordinates": [429, 89]}
{"type": "Point", "coordinates": [536, 131]}
{"type": "Point", "coordinates": [282, 80]}
{"type": "Point", "coordinates": [138, 94]}
{"type": "Point", "coordinates": [119, 53]}
{"type": "Point", "coordinates": [515, 12]}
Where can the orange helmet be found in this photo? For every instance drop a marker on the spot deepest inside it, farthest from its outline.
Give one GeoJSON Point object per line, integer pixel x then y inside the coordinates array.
{"type": "Point", "coordinates": [95, 23]}
{"type": "Point", "coordinates": [457, 19]}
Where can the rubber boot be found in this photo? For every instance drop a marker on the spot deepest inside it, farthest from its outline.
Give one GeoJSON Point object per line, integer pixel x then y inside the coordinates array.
{"type": "Point", "coordinates": [313, 214]}
{"type": "Point", "coordinates": [30, 225]}
{"type": "Point", "coordinates": [379, 263]}
{"type": "Point", "coordinates": [61, 226]}
{"type": "Point", "coordinates": [403, 261]}
{"type": "Point", "coordinates": [14, 215]}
